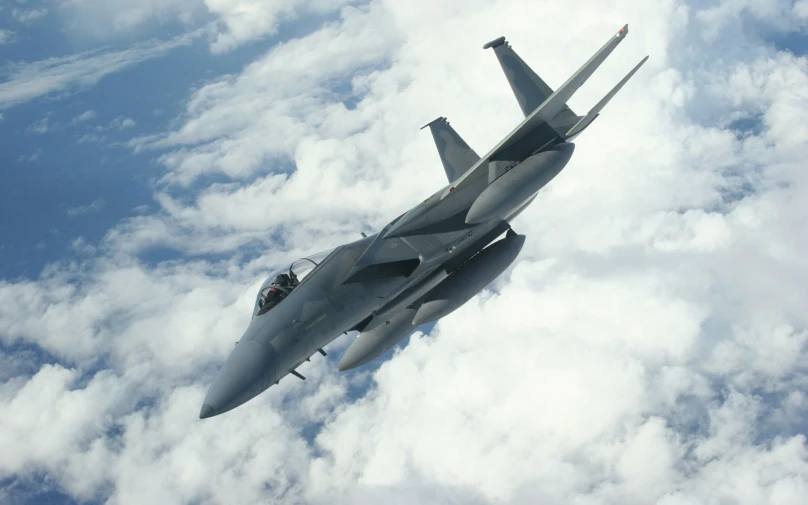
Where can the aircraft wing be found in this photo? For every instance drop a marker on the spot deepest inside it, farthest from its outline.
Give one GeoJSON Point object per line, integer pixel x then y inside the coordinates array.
{"type": "Point", "coordinates": [547, 123]}
{"type": "Point", "coordinates": [384, 258]}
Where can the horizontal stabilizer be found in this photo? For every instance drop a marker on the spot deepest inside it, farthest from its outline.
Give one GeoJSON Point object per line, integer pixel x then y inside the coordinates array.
{"type": "Point", "coordinates": [454, 152]}
{"type": "Point", "coordinates": [592, 114]}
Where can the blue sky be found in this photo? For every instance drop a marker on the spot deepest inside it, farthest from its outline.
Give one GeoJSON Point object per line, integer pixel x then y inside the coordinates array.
{"type": "Point", "coordinates": [75, 176]}
{"type": "Point", "coordinates": [159, 158]}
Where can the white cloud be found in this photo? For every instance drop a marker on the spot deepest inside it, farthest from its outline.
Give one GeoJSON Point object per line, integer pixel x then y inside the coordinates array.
{"type": "Point", "coordinates": [27, 16]}
{"type": "Point", "coordinates": [648, 347]}
{"type": "Point", "coordinates": [84, 117]}
{"type": "Point", "coordinates": [68, 419]}
{"type": "Point", "coordinates": [90, 138]}
{"type": "Point", "coordinates": [241, 21]}
{"type": "Point", "coordinates": [121, 123]}
{"type": "Point", "coordinates": [32, 157]}
{"type": "Point", "coordinates": [41, 126]}
{"type": "Point", "coordinates": [780, 15]}
{"type": "Point", "coordinates": [27, 81]}
{"type": "Point", "coordinates": [104, 18]}
{"type": "Point", "coordinates": [82, 246]}
{"type": "Point", "coordinates": [95, 207]}
{"type": "Point", "coordinates": [6, 36]}
{"type": "Point", "coordinates": [231, 23]}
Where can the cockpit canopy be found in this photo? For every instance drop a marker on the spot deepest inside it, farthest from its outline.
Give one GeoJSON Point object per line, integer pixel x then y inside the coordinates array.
{"type": "Point", "coordinates": [282, 281]}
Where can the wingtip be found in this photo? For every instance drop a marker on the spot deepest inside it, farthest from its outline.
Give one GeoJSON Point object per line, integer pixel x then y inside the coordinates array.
{"type": "Point", "coordinates": [642, 62]}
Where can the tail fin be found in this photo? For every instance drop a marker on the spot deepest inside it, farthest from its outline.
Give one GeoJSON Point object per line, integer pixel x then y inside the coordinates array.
{"type": "Point", "coordinates": [454, 152]}
{"type": "Point", "coordinates": [529, 89]}
{"type": "Point", "coordinates": [595, 112]}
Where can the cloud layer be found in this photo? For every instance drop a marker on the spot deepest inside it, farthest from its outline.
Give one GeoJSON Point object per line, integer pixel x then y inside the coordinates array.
{"type": "Point", "coordinates": [649, 347]}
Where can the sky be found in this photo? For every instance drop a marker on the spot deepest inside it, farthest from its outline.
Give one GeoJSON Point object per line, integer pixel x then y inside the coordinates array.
{"type": "Point", "coordinates": [159, 158]}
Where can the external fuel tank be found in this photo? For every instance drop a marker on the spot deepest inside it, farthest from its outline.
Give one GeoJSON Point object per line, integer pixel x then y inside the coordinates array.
{"type": "Point", "coordinates": [518, 184]}
{"type": "Point", "coordinates": [469, 279]}
{"type": "Point", "coordinates": [369, 345]}
{"type": "Point", "coordinates": [453, 291]}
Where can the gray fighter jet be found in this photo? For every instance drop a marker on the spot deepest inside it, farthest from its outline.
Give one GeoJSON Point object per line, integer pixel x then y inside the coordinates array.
{"type": "Point", "coordinates": [428, 261]}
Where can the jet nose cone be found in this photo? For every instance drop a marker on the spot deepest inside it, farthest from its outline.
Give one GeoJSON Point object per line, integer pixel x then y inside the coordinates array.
{"type": "Point", "coordinates": [246, 373]}
{"type": "Point", "coordinates": [206, 412]}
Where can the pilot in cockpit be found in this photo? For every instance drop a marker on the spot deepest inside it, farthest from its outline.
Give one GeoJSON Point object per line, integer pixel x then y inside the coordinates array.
{"type": "Point", "coordinates": [276, 291]}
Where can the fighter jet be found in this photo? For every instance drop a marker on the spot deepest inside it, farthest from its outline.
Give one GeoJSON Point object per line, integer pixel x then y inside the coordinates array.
{"type": "Point", "coordinates": [425, 263]}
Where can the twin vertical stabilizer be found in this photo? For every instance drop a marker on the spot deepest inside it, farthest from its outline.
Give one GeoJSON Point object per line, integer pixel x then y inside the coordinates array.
{"type": "Point", "coordinates": [535, 96]}
{"type": "Point", "coordinates": [548, 118]}
{"type": "Point", "coordinates": [529, 89]}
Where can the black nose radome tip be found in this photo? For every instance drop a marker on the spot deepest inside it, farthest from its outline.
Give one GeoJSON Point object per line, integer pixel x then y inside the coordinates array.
{"type": "Point", "coordinates": [206, 412]}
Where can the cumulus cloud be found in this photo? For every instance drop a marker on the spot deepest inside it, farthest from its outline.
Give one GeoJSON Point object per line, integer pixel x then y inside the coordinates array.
{"type": "Point", "coordinates": [241, 21]}
{"type": "Point", "coordinates": [649, 346]}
